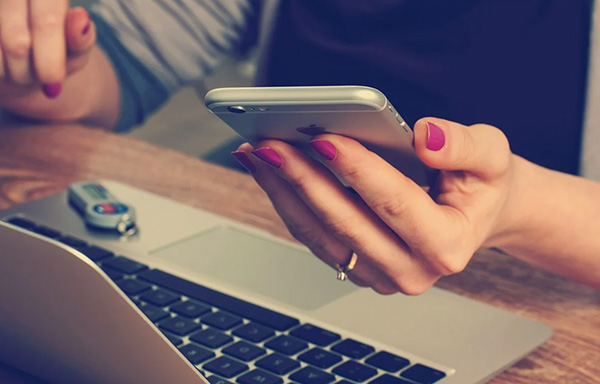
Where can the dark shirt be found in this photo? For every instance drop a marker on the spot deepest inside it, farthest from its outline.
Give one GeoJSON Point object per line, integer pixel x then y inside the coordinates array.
{"type": "Point", "coordinates": [520, 65]}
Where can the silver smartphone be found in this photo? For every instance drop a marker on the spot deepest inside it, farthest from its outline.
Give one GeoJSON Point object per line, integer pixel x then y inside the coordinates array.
{"type": "Point", "coordinates": [297, 114]}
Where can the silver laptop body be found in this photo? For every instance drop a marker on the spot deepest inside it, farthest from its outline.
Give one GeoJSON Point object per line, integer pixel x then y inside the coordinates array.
{"type": "Point", "coordinates": [63, 319]}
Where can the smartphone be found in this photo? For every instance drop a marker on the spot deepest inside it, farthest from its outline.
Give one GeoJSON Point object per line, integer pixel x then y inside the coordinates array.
{"type": "Point", "coordinates": [297, 114]}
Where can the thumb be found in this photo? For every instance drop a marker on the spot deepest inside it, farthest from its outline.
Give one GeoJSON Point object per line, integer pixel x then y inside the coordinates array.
{"type": "Point", "coordinates": [80, 32]}
{"type": "Point", "coordinates": [479, 149]}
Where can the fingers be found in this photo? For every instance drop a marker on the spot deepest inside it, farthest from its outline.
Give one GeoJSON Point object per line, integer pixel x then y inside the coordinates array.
{"type": "Point", "coordinates": [402, 205]}
{"type": "Point", "coordinates": [16, 40]}
{"type": "Point", "coordinates": [80, 31]}
{"type": "Point", "coordinates": [480, 149]}
{"type": "Point", "coordinates": [80, 34]}
{"type": "Point", "coordinates": [47, 19]}
{"type": "Point", "coordinates": [299, 219]}
{"type": "Point", "coordinates": [404, 236]}
{"type": "Point", "coordinates": [344, 215]}
{"type": "Point", "coordinates": [37, 37]}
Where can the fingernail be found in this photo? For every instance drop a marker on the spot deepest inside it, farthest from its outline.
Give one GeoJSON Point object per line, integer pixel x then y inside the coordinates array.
{"type": "Point", "coordinates": [435, 137]}
{"type": "Point", "coordinates": [88, 25]}
{"type": "Point", "coordinates": [269, 156]}
{"type": "Point", "coordinates": [87, 28]}
{"type": "Point", "coordinates": [244, 159]}
{"type": "Point", "coordinates": [324, 148]}
{"type": "Point", "coordinates": [52, 90]}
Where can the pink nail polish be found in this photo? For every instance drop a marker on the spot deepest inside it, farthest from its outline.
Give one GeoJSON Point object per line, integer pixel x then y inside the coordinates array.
{"type": "Point", "coordinates": [87, 28]}
{"type": "Point", "coordinates": [269, 156]}
{"type": "Point", "coordinates": [324, 148]}
{"type": "Point", "coordinates": [244, 159]}
{"type": "Point", "coordinates": [52, 90]}
{"type": "Point", "coordinates": [88, 25]}
{"type": "Point", "coordinates": [435, 137]}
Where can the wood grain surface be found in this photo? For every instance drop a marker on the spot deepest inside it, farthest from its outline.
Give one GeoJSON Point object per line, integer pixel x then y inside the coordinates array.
{"type": "Point", "coordinates": [37, 161]}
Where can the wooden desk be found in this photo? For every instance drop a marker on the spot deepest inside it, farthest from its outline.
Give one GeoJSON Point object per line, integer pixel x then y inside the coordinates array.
{"type": "Point", "coordinates": [38, 161]}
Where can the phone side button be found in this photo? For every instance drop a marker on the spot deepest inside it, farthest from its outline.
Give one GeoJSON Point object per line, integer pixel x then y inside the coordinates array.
{"type": "Point", "coordinates": [402, 123]}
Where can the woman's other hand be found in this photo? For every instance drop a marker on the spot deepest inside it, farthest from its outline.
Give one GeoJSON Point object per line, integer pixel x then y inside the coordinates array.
{"type": "Point", "coordinates": [41, 43]}
{"type": "Point", "coordinates": [405, 237]}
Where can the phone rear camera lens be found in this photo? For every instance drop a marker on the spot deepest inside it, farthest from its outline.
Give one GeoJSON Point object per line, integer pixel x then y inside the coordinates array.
{"type": "Point", "coordinates": [236, 109]}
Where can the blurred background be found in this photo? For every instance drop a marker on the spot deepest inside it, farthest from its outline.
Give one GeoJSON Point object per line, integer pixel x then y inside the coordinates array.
{"type": "Point", "coordinates": [184, 124]}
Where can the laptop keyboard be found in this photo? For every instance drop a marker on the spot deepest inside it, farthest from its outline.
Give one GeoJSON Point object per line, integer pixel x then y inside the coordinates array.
{"type": "Point", "coordinates": [233, 341]}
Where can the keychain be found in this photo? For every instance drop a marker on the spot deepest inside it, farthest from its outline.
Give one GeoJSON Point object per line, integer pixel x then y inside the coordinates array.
{"type": "Point", "coordinates": [100, 209]}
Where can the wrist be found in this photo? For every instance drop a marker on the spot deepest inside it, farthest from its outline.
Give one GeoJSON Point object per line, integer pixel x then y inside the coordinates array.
{"type": "Point", "coordinates": [518, 213]}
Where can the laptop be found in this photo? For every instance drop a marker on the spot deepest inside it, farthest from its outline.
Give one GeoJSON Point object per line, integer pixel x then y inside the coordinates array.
{"type": "Point", "coordinates": [195, 298]}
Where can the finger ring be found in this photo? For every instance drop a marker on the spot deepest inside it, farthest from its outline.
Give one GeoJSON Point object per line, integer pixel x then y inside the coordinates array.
{"type": "Point", "coordinates": [343, 270]}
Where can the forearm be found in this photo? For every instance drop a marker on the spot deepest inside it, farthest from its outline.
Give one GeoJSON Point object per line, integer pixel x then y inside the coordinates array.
{"type": "Point", "coordinates": [555, 222]}
{"type": "Point", "coordinates": [90, 96]}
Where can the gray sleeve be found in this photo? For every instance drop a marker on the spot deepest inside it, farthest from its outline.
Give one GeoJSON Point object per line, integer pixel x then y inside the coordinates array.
{"type": "Point", "coordinates": [179, 41]}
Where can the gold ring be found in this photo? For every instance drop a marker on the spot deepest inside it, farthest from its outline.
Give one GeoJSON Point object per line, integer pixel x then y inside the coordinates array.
{"type": "Point", "coordinates": [343, 270]}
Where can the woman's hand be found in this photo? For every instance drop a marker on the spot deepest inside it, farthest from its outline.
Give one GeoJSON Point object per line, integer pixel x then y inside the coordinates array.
{"type": "Point", "coordinates": [41, 43]}
{"type": "Point", "coordinates": [405, 237]}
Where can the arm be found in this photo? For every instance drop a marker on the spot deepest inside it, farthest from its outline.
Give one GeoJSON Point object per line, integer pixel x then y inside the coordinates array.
{"type": "Point", "coordinates": [178, 41]}
{"type": "Point", "coordinates": [554, 223]}
{"type": "Point", "coordinates": [406, 238]}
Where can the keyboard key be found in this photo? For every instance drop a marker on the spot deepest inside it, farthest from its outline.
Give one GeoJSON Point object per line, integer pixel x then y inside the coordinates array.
{"type": "Point", "coordinates": [389, 379]}
{"type": "Point", "coordinates": [195, 353]}
{"type": "Point", "coordinates": [320, 358]}
{"type": "Point", "coordinates": [286, 345]}
{"type": "Point", "coordinates": [179, 325]}
{"type": "Point", "coordinates": [387, 361]}
{"type": "Point", "coordinates": [217, 380]}
{"type": "Point", "coordinates": [176, 341]}
{"type": "Point", "coordinates": [222, 320]}
{"type": "Point", "coordinates": [23, 223]}
{"type": "Point", "coordinates": [95, 253]}
{"type": "Point", "coordinates": [124, 265]}
{"type": "Point", "coordinates": [254, 332]}
{"type": "Point", "coordinates": [310, 375]}
{"type": "Point", "coordinates": [211, 338]}
{"type": "Point", "coordinates": [114, 275]}
{"type": "Point", "coordinates": [226, 367]}
{"type": "Point", "coordinates": [48, 232]}
{"type": "Point", "coordinates": [154, 314]}
{"type": "Point", "coordinates": [190, 309]}
{"type": "Point", "coordinates": [160, 297]}
{"type": "Point", "coordinates": [212, 379]}
{"type": "Point", "coordinates": [244, 351]}
{"type": "Point", "coordinates": [258, 376]}
{"type": "Point", "coordinates": [354, 371]}
{"type": "Point", "coordinates": [277, 364]}
{"type": "Point", "coordinates": [353, 349]}
{"type": "Point", "coordinates": [423, 374]}
{"type": "Point", "coordinates": [133, 287]}
{"type": "Point", "coordinates": [233, 305]}
{"type": "Point", "coordinates": [72, 241]}
{"type": "Point", "coordinates": [315, 335]}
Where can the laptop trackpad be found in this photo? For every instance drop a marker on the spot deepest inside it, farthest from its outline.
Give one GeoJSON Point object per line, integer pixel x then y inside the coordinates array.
{"type": "Point", "coordinates": [259, 264]}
